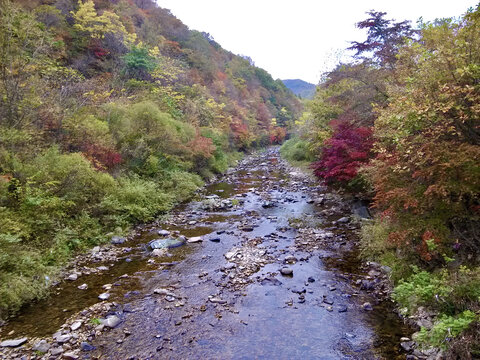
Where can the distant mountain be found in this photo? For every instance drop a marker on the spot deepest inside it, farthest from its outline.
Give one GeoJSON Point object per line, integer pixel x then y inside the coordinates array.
{"type": "Point", "coordinates": [301, 88]}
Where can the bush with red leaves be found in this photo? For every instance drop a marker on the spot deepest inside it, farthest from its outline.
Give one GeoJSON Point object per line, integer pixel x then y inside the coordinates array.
{"type": "Point", "coordinates": [344, 153]}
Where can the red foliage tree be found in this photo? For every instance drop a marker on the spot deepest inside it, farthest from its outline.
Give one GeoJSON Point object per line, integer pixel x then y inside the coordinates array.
{"type": "Point", "coordinates": [345, 152]}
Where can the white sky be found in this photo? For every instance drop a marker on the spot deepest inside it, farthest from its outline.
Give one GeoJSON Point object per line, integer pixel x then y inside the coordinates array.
{"type": "Point", "coordinates": [302, 38]}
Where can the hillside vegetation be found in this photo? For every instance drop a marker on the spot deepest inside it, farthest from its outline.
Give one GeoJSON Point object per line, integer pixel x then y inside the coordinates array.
{"type": "Point", "coordinates": [301, 88]}
{"type": "Point", "coordinates": [401, 125]}
{"type": "Point", "coordinates": [111, 112]}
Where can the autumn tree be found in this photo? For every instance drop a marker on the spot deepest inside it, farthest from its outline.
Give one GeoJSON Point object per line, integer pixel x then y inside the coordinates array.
{"type": "Point", "coordinates": [24, 47]}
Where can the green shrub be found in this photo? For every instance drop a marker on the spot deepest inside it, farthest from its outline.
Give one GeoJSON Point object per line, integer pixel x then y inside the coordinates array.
{"type": "Point", "coordinates": [422, 288]}
{"type": "Point", "coordinates": [135, 199]}
{"type": "Point", "coordinates": [445, 329]}
{"type": "Point", "coordinates": [296, 149]}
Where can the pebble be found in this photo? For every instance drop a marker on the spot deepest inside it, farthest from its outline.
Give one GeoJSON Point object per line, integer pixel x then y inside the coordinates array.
{"type": "Point", "coordinates": [161, 291]}
{"type": "Point", "coordinates": [111, 321]}
{"type": "Point", "coordinates": [104, 296]}
{"type": "Point", "coordinates": [217, 300]}
{"type": "Point", "coordinates": [82, 287]}
{"type": "Point", "coordinates": [328, 301]}
{"type": "Point", "coordinates": [367, 306]}
{"type": "Point", "coordinates": [72, 277]}
{"type": "Point", "coordinates": [76, 325]}
{"type": "Point", "coordinates": [86, 346]}
{"type": "Point", "coordinates": [195, 239]}
{"type": "Point", "coordinates": [56, 351]}
{"type": "Point", "coordinates": [163, 232]}
{"type": "Point", "coordinates": [61, 339]}
{"type": "Point", "coordinates": [286, 271]}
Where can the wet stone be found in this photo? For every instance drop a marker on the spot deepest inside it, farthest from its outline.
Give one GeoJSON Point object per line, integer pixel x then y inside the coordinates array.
{"type": "Point", "coordinates": [104, 296]}
{"type": "Point", "coordinates": [165, 243]}
{"type": "Point", "coordinates": [367, 306]}
{"type": "Point", "coordinates": [286, 271]}
{"type": "Point", "coordinates": [328, 301]}
{"type": "Point", "coordinates": [299, 291]}
{"type": "Point", "coordinates": [271, 281]}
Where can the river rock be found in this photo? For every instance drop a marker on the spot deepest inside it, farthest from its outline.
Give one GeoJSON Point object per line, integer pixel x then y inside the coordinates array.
{"type": "Point", "coordinates": [85, 346]}
{"type": "Point", "coordinates": [72, 277]}
{"type": "Point", "coordinates": [271, 281]}
{"type": "Point", "coordinates": [41, 346]}
{"type": "Point", "coordinates": [268, 204]}
{"type": "Point", "coordinates": [14, 342]}
{"type": "Point", "coordinates": [163, 232]}
{"type": "Point", "coordinates": [76, 325]}
{"type": "Point", "coordinates": [214, 239]}
{"type": "Point", "coordinates": [117, 240]}
{"type": "Point", "coordinates": [61, 339]}
{"type": "Point", "coordinates": [290, 259]}
{"type": "Point", "coordinates": [367, 306]}
{"type": "Point", "coordinates": [104, 296]}
{"type": "Point", "coordinates": [195, 239]}
{"type": "Point", "coordinates": [56, 351]}
{"type": "Point", "coordinates": [286, 271]}
{"type": "Point", "coordinates": [343, 220]}
{"type": "Point", "coordinates": [161, 291]}
{"type": "Point", "coordinates": [165, 243]}
{"type": "Point", "coordinates": [111, 321]}
{"type": "Point", "coordinates": [299, 291]}
{"type": "Point", "coordinates": [217, 300]}
{"type": "Point", "coordinates": [407, 345]}
{"type": "Point", "coordinates": [70, 356]}
{"type": "Point", "coordinates": [82, 287]}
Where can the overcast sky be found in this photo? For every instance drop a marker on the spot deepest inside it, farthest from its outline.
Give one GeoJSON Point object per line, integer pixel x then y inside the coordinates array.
{"type": "Point", "coordinates": [302, 38]}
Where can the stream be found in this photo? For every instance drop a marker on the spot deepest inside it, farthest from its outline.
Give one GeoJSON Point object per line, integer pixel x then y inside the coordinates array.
{"type": "Point", "coordinates": [227, 293]}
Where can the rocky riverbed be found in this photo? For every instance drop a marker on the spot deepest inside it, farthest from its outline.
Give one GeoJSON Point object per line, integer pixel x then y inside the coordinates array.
{"type": "Point", "coordinates": [263, 265]}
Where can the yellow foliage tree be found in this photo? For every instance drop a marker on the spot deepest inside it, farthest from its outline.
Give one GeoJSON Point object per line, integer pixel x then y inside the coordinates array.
{"type": "Point", "coordinates": [88, 20]}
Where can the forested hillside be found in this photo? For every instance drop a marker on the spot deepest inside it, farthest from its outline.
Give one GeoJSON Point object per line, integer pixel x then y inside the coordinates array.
{"type": "Point", "coordinates": [110, 113]}
{"type": "Point", "coordinates": [400, 125]}
{"type": "Point", "coordinates": [301, 88]}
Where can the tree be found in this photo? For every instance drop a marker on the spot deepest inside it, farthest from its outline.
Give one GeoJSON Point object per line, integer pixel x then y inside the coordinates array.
{"type": "Point", "coordinates": [24, 48]}
{"type": "Point", "coordinates": [87, 20]}
{"type": "Point", "coordinates": [384, 38]}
